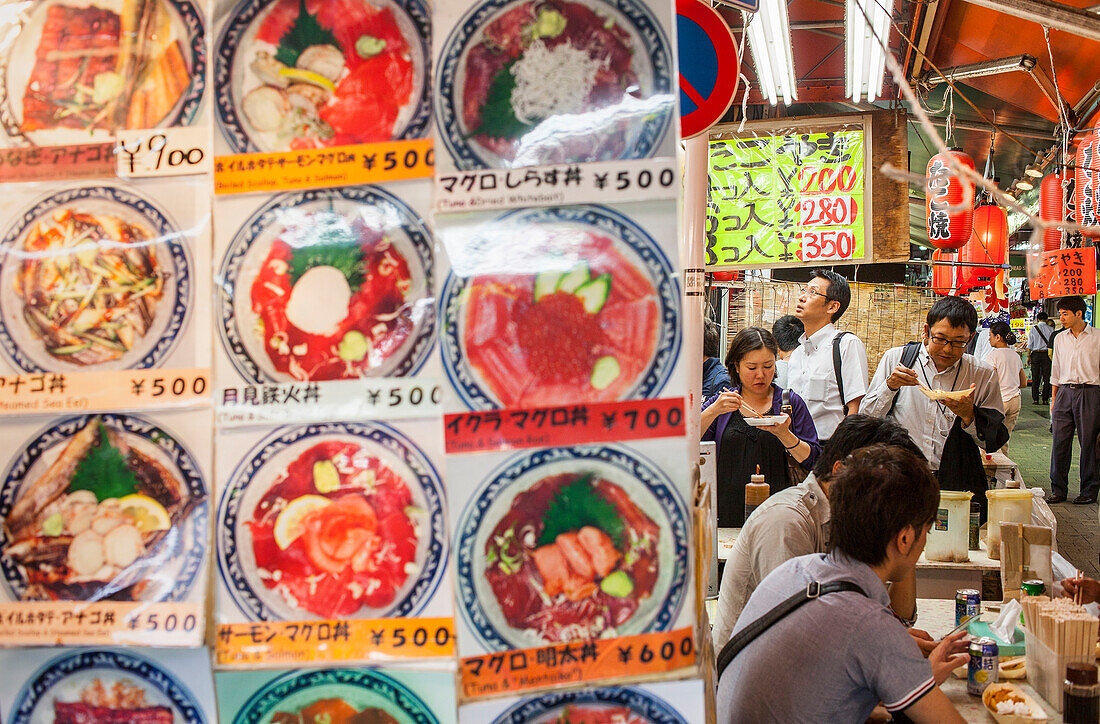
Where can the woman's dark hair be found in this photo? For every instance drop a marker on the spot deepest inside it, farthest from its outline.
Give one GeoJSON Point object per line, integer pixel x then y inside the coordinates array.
{"type": "Point", "coordinates": [857, 431]}
{"type": "Point", "coordinates": [787, 330]}
{"type": "Point", "coordinates": [837, 291]}
{"type": "Point", "coordinates": [881, 490]}
{"type": "Point", "coordinates": [957, 311]}
{"type": "Point", "coordinates": [712, 338]}
{"type": "Point", "coordinates": [1071, 304]}
{"type": "Point", "coordinates": [748, 340]}
{"type": "Point", "coordinates": [1002, 330]}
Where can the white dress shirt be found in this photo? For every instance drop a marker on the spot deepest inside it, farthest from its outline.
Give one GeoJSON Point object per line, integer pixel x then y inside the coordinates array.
{"type": "Point", "coordinates": [1035, 340]}
{"type": "Point", "coordinates": [928, 422]}
{"type": "Point", "coordinates": [810, 373]}
{"type": "Point", "coordinates": [1076, 359]}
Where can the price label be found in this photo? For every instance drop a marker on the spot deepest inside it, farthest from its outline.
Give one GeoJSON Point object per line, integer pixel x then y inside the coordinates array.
{"type": "Point", "coordinates": [566, 425]}
{"type": "Point", "coordinates": [1064, 272]}
{"type": "Point", "coordinates": [169, 152]}
{"type": "Point", "coordinates": [378, 399]}
{"type": "Point", "coordinates": [827, 211]}
{"type": "Point", "coordinates": [365, 163]}
{"type": "Point", "coordinates": [823, 244]}
{"type": "Point", "coordinates": [523, 669]}
{"type": "Point", "coordinates": [290, 642]}
{"type": "Point", "coordinates": [604, 182]}
{"type": "Point", "coordinates": [101, 623]}
{"type": "Point", "coordinates": [110, 390]}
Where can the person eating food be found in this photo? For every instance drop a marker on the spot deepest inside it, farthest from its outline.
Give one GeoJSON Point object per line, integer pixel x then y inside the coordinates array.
{"type": "Point", "coordinates": [774, 437]}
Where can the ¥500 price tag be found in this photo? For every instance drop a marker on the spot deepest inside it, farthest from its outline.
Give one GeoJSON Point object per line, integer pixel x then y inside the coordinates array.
{"type": "Point", "coordinates": [167, 152]}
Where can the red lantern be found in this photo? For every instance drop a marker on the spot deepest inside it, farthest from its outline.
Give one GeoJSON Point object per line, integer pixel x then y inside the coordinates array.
{"type": "Point", "coordinates": [943, 275]}
{"type": "Point", "coordinates": [1052, 208]}
{"type": "Point", "coordinates": [988, 245]}
{"type": "Point", "coordinates": [724, 276]}
{"type": "Point", "coordinates": [948, 227]}
{"type": "Point", "coordinates": [1086, 191]}
{"type": "Point", "coordinates": [996, 301]}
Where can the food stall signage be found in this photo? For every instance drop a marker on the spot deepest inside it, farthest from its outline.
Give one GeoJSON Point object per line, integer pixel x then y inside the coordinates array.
{"type": "Point", "coordinates": [523, 669]}
{"type": "Point", "coordinates": [168, 152]}
{"type": "Point", "coordinates": [367, 163]}
{"type": "Point", "coordinates": [566, 425]}
{"type": "Point", "coordinates": [104, 391]}
{"type": "Point", "coordinates": [101, 623]}
{"type": "Point", "coordinates": [290, 642]}
{"type": "Point", "coordinates": [52, 163]}
{"type": "Point", "coordinates": [1064, 272]}
{"type": "Point", "coordinates": [787, 199]}
{"type": "Point", "coordinates": [280, 404]}
{"type": "Point", "coordinates": [603, 182]}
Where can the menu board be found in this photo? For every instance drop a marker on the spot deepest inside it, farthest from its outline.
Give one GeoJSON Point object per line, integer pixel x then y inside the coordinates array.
{"type": "Point", "coordinates": [1063, 272]}
{"type": "Point", "coordinates": [788, 197]}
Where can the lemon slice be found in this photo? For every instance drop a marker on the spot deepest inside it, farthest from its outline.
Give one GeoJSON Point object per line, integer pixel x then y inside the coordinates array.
{"type": "Point", "coordinates": [148, 515]}
{"type": "Point", "coordinates": [308, 76]}
{"type": "Point", "coordinates": [288, 526]}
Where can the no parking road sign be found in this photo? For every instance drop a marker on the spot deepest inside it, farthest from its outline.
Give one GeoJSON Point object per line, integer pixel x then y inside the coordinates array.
{"type": "Point", "coordinates": [709, 66]}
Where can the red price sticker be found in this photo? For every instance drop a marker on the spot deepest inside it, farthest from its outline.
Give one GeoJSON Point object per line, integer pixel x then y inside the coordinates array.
{"type": "Point", "coordinates": [1065, 272]}
{"type": "Point", "coordinates": [826, 244]}
{"type": "Point", "coordinates": [566, 425]}
{"type": "Point", "coordinates": [828, 211]}
{"type": "Point", "coordinates": [524, 669]}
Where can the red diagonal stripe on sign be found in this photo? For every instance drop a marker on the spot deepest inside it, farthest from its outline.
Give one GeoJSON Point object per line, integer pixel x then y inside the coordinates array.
{"type": "Point", "coordinates": [688, 89]}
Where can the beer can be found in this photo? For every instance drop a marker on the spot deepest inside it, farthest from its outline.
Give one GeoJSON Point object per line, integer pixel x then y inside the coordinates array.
{"type": "Point", "coordinates": [968, 604]}
{"type": "Point", "coordinates": [1033, 587]}
{"type": "Point", "coordinates": [983, 668]}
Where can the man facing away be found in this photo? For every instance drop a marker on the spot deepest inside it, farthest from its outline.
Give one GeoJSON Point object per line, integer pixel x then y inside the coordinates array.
{"type": "Point", "coordinates": [787, 331]}
{"type": "Point", "coordinates": [1075, 406]}
{"type": "Point", "coordinates": [795, 522]}
{"type": "Point", "coordinates": [812, 370]}
{"type": "Point", "coordinates": [1039, 343]}
{"type": "Point", "coordinates": [851, 651]}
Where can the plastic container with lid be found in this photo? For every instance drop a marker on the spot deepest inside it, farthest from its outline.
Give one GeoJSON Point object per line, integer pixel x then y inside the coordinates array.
{"type": "Point", "coordinates": [1081, 695]}
{"type": "Point", "coordinates": [1005, 506]}
{"type": "Point", "coordinates": [949, 537]}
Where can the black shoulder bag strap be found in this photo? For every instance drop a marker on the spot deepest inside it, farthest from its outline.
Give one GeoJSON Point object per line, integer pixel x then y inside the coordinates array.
{"type": "Point", "coordinates": [1046, 341]}
{"type": "Point", "coordinates": [836, 369]}
{"type": "Point", "coordinates": [748, 634]}
{"type": "Point", "coordinates": [908, 356]}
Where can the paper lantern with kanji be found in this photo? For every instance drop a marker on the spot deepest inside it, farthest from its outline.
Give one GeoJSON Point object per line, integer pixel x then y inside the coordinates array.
{"type": "Point", "coordinates": [1052, 208]}
{"type": "Point", "coordinates": [948, 199]}
{"type": "Point", "coordinates": [988, 245]}
{"type": "Point", "coordinates": [1086, 191]}
{"type": "Point", "coordinates": [943, 275]}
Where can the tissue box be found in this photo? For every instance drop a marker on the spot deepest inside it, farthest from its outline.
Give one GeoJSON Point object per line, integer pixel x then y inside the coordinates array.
{"type": "Point", "coordinates": [978, 629]}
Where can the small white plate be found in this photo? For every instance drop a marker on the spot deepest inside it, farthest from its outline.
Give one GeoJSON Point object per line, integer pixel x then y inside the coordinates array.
{"type": "Point", "coordinates": [767, 421]}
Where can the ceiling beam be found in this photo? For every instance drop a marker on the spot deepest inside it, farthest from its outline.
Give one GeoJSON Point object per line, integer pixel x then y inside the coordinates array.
{"type": "Point", "coordinates": [1053, 15]}
{"type": "Point", "coordinates": [1018, 131]}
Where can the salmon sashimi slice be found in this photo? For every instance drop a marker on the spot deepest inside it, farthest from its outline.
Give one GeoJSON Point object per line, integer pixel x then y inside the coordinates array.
{"type": "Point", "coordinates": [602, 553]}
{"type": "Point", "coordinates": [552, 567]}
{"type": "Point", "coordinates": [575, 555]}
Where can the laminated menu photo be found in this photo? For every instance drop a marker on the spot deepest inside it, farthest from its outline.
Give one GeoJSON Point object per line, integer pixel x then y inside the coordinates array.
{"type": "Point", "coordinates": [670, 702]}
{"type": "Point", "coordinates": [291, 75]}
{"type": "Point", "coordinates": [332, 523]}
{"type": "Point", "coordinates": [571, 544]}
{"type": "Point", "coordinates": [325, 285]}
{"type": "Point", "coordinates": [66, 686]}
{"type": "Point", "coordinates": [310, 696]}
{"type": "Point", "coordinates": [99, 278]}
{"type": "Point", "coordinates": [587, 309]}
{"type": "Point", "coordinates": [76, 73]}
{"type": "Point", "coordinates": [528, 83]}
{"type": "Point", "coordinates": [105, 528]}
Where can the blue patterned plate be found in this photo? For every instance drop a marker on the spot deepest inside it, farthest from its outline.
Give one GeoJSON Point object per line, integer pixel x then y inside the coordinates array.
{"type": "Point", "coordinates": [647, 487]}
{"type": "Point", "coordinates": [358, 688]}
{"type": "Point", "coordinates": [187, 28]}
{"type": "Point", "coordinates": [493, 252]}
{"type": "Point", "coordinates": [265, 465]}
{"type": "Point", "coordinates": [239, 326]}
{"type": "Point", "coordinates": [236, 50]}
{"type": "Point", "coordinates": [26, 351]}
{"type": "Point", "coordinates": [65, 677]}
{"type": "Point", "coordinates": [632, 128]}
{"type": "Point", "coordinates": [171, 568]}
{"type": "Point", "coordinates": [554, 707]}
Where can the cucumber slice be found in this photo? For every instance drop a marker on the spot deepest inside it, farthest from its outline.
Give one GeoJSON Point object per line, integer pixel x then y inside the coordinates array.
{"type": "Point", "coordinates": [593, 294]}
{"type": "Point", "coordinates": [546, 283]}
{"type": "Point", "coordinates": [577, 276]}
{"type": "Point", "coordinates": [604, 372]}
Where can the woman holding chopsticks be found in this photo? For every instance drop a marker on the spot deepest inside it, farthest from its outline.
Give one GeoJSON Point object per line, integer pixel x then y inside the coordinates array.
{"type": "Point", "coordinates": [784, 448]}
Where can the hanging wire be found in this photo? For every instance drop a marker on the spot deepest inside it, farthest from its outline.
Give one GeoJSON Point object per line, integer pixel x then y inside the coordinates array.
{"type": "Point", "coordinates": [741, 55]}
{"type": "Point", "coordinates": [949, 129]}
{"type": "Point", "coordinates": [1063, 115]}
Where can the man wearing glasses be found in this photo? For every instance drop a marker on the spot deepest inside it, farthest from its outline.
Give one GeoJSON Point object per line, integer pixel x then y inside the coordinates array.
{"type": "Point", "coordinates": [828, 369]}
{"type": "Point", "coordinates": [945, 429]}
{"type": "Point", "coordinates": [1075, 406]}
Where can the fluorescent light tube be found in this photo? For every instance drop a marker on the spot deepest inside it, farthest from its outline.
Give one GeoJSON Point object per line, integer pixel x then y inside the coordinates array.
{"type": "Point", "coordinates": [770, 40]}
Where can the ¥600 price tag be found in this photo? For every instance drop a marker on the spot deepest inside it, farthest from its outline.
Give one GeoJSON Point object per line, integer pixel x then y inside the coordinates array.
{"type": "Point", "coordinates": [167, 152]}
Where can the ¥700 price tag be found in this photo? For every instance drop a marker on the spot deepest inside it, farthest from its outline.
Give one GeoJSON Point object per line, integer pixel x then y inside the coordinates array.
{"type": "Point", "coordinates": [170, 152]}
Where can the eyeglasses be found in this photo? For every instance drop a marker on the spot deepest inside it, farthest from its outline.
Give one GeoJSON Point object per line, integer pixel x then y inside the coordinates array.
{"type": "Point", "coordinates": [807, 291]}
{"type": "Point", "coordinates": [944, 342]}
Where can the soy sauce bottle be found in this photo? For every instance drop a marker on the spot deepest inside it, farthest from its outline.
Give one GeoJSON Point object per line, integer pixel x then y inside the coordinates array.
{"type": "Point", "coordinates": [1081, 695]}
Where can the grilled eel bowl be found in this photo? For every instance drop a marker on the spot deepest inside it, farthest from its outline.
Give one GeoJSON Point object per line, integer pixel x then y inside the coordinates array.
{"type": "Point", "coordinates": [98, 523]}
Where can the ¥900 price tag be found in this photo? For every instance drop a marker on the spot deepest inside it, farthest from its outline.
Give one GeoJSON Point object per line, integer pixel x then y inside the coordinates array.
{"type": "Point", "coordinates": [166, 152]}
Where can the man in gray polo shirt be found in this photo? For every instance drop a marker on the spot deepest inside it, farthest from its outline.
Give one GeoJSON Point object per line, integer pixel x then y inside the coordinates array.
{"type": "Point", "coordinates": [837, 656]}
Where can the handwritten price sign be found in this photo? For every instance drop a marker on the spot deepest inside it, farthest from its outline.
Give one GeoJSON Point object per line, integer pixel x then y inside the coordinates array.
{"type": "Point", "coordinates": [171, 152]}
{"type": "Point", "coordinates": [1062, 273]}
